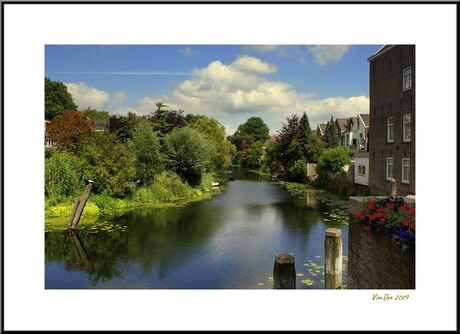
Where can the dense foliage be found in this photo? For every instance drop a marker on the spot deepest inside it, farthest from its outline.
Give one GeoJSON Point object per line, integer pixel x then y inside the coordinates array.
{"type": "Point", "coordinates": [57, 99]}
{"type": "Point", "coordinates": [188, 154]}
{"type": "Point", "coordinates": [69, 130]}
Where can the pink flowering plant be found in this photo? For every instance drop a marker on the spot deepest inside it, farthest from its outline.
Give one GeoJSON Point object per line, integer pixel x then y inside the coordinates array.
{"type": "Point", "coordinates": [392, 214]}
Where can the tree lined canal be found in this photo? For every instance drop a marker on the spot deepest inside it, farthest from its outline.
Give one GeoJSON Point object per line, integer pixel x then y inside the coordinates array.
{"type": "Point", "coordinates": [227, 242]}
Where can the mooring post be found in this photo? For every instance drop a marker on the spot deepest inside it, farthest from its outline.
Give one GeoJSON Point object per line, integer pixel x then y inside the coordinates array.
{"type": "Point", "coordinates": [392, 187]}
{"type": "Point", "coordinates": [80, 205]}
{"type": "Point", "coordinates": [333, 254]}
{"type": "Point", "coordinates": [284, 271]}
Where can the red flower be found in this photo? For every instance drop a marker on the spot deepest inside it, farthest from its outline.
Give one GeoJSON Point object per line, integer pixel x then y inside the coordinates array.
{"type": "Point", "coordinates": [371, 203]}
{"type": "Point", "coordinates": [367, 228]}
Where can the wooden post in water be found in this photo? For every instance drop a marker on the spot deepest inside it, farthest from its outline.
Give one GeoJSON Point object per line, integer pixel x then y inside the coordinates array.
{"type": "Point", "coordinates": [79, 206]}
{"type": "Point", "coordinates": [333, 254]}
{"type": "Point", "coordinates": [284, 271]}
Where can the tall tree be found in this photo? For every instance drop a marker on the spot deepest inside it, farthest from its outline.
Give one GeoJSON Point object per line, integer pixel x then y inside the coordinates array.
{"type": "Point", "coordinates": [123, 126]}
{"type": "Point", "coordinates": [331, 137]}
{"type": "Point", "coordinates": [188, 154]}
{"type": "Point", "coordinates": [214, 132]}
{"type": "Point", "coordinates": [289, 149]}
{"type": "Point", "coordinates": [254, 129]}
{"type": "Point", "coordinates": [69, 130]}
{"type": "Point", "coordinates": [149, 159]}
{"type": "Point", "coordinates": [304, 133]}
{"type": "Point", "coordinates": [57, 99]}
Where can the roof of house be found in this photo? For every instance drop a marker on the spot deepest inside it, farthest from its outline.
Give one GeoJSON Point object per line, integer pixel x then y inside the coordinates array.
{"type": "Point", "coordinates": [365, 119]}
{"type": "Point", "coordinates": [381, 51]}
{"type": "Point", "coordinates": [342, 123]}
{"type": "Point", "coordinates": [321, 128]}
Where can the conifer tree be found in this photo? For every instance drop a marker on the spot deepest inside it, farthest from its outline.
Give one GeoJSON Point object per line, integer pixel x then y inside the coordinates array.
{"type": "Point", "coordinates": [331, 137]}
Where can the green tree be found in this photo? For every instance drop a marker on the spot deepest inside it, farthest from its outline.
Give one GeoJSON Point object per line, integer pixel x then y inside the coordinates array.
{"type": "Point", "coordinates": [333, 160]}
{"type": "Point", "coordinates": [96, 115]}
{"type": "Point", "coordinates": [123, 126]}
{"type": "Point", "coordinates": [149, 159]}
{"type": "Point", "coordinates": [331, 137]}
{"type": "Point", "coordinates": [57, 99]}
{"type": "Point", "coordinates": [289, 149]}
{"type": "Point", "coordinates": [254, 129]}
{"type": "Point", "coordinates": [188, 153]}
{"type": "Point", "coordinates": [214, 132]}
{"type": "Point", "coordinates": [254, 157]}
{"type": "Point", "coordinates": [304, 132]}
{"type": "Point", "coordinates": [313, 149]}
{"type": "Point", "coordinates": [109, 163]}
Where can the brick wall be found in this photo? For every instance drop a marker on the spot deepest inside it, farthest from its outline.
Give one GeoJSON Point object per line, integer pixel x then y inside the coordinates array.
{"type": "Point", "coordinates": [388, 99]}
{"type": "Point", "coordinates": [376, 262]}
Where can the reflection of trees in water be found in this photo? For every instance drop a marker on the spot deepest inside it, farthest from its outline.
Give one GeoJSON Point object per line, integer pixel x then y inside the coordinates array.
{"type": "Point", "coordinates": [153, 237]}
{"type": "Point", "coordinates": [159, 236]}
{"type": "Point", "coordinates": [94, 253]}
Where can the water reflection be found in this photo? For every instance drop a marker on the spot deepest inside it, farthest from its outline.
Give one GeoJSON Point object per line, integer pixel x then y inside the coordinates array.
{"type": "Point", "coordinates": [227, 242]}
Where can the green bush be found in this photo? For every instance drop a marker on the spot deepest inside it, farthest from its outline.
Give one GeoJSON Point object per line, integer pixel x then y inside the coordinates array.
{"type": "Point", "coordinates": [333, 160]}
{"type": "Point", "coordinates": [298, 171]}
{"type": "Point", "coordinates": [63, 176]}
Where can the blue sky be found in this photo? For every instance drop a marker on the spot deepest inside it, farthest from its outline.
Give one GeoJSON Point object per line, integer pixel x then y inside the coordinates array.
{"type": "Point", "coordinates": [227, 82]}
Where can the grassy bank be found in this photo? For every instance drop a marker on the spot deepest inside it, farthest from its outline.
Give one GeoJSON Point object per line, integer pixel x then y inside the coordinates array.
{"type": "Point", "coordinates": [167, 190]}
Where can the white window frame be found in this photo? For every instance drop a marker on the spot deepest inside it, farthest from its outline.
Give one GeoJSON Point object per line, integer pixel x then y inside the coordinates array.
{"type": "Point", "coordinates": [389, 168]}
{"type": "Point", "coordinates": [361, 170]}
{"type": "Point", "coordinates": [405, 167]}
{"type": "Point", "coordinates": [407, 78]}
{"type": "Point", "coordinates": [390, 129]}
{"type": "Point", "coordinates": [407, 127]}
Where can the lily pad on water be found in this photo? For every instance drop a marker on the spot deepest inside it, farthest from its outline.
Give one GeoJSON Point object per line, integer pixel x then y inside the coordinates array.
{"type": "Point", "coordinates": [307, 281]}
{"type": "Point", "coordinates": [299, 274]}
{"type": "Point", "coordinates": [260, 284]}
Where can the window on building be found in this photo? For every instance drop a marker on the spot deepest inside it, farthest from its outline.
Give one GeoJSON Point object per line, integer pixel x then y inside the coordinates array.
{"type": "Point", "coordinates": [389, 168]}
{"type": "Point", "coordinates": [405, 170]}
{"type": "Point", "coordinates": [390, 129]}
{"type": "Point", "coordinates": [406, 127]}
{"type": "Point", "coordinates": [407, 78]}
{"type": "Point", "coordinates": [361, 170]}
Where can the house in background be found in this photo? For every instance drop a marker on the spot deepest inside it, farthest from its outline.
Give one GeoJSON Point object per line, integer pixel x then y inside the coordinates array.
{"type": "Point", "coordinates": [361, 168]}
{"type": "Point", "coordinates": [357, 133]}
{"type": "Point", "coordinates": [392, 119]}
{"type": "Point", "coordinates": [49, 143]}
{"type": "Point", "coordinates": [341, 124]}
{"type": "Point", "coordinates": [321, 130]}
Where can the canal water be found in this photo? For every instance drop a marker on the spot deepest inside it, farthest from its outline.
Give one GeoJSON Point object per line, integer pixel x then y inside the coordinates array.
{"type": "Point", "coordinates": [226, 242]}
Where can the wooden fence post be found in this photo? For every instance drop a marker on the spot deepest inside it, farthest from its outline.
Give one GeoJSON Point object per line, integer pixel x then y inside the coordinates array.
{"type": "Point", "coordinates": [79, 206]}
{"type": "Point", "coordinates": [284, 271]}
{"type": "Point", "coordinates": [333, 254]}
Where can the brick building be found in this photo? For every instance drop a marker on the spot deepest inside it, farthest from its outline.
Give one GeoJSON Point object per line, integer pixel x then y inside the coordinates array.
{"type": "Point", "coordinates": [392, 119]}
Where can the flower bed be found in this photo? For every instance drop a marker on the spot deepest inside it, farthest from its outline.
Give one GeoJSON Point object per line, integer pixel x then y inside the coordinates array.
{"type": "Point", "coordinates": [391, 214]}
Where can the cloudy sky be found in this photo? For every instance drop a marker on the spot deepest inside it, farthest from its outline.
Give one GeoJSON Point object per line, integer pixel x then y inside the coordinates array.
{"type": "Point", "coordinates": [228, 82]}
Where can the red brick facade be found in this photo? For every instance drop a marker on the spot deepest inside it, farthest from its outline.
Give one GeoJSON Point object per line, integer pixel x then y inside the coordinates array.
{"type": "Point", "coordinates": [392, 104]}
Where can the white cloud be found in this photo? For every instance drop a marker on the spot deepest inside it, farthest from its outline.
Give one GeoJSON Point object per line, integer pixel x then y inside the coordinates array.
{"type": "Point", "coordinates": [323, 54]}
{"type": "Point", "coordinates": [253, 65]}
{"type": "Point", "coordinates": [119, 97]}
{"type": "Point", "coordinates": [85, 96]}
{"type": "Point", "coordinates": [231, 94]}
